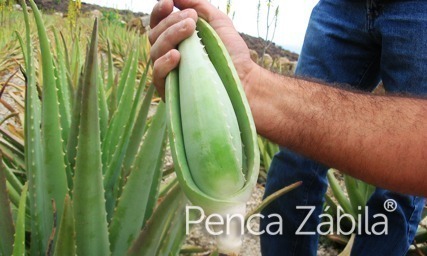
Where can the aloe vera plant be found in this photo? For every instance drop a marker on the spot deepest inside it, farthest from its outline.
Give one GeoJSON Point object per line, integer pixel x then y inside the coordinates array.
{"type": "Point", "coordinates": [211, 131]}
{"type": "Point", "coordinates": [93, 181]}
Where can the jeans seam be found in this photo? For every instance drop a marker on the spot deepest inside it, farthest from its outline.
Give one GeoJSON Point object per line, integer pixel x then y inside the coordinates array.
{"type": "Point", "coordinates": [306, 196]}
{"type": "Point", "coordinates": [413, 215]}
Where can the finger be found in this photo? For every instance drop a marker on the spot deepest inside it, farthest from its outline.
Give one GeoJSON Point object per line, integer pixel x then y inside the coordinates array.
{"type": "Point", "coordinates": [169, 21]}
{"type": "Point", "coordinates": [203, 8]}
{"type": "Point", "coordinates": [171, 37]}
{"type": "Point", "coordinates": [161, 68]}
{"type": "Point", "coordinates": [160, 11]}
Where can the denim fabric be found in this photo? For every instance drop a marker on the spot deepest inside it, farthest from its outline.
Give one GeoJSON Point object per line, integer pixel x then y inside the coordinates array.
{"type": "Point", "coordinates": [358, 43]}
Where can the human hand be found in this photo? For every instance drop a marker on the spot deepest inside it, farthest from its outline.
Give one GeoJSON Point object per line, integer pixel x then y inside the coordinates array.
{"type": "Point", "coordinates": [170, 28]}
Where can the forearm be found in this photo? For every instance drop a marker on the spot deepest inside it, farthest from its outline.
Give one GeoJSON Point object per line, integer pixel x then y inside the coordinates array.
{"type": "Point", "coordinates": [379, 139]}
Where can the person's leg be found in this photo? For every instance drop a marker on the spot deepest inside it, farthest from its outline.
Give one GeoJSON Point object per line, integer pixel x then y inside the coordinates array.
{"type": "Point", "coordinates": [402, 27]}
{"type": "Point", "coordinates": [337, 49]}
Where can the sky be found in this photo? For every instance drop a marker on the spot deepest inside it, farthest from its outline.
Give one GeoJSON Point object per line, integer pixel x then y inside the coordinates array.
{"type": "Point", "coordinates": [291, 25]}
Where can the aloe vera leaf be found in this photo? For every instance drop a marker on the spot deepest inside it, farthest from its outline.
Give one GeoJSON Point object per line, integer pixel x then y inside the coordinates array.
{"type": "Point", "coordinates": [138, 131]}
{"type": "Point", "coordinates": [228, 74]}
{"type": "Point", "coordinates": [212, 139]}
{"type": "Point", "coordinates": [174, 238]}
{"type": "Point", "coordinates": [112, 97]}
{"type": "Point", "coordinates": [332, 209]}
{"type": "Point", "coordinates": [41, 211]}
{"type": "Point", "coordinates": [14, 196]}
{"type": "Point", "coordinates": [10, 150]}
{"type": "Point", "coordinates": [141, 186]}
{"type": "Point", "coordinates": [113, 169]}
{"type": "Point", "coordinates": [66, 241]}
{"type": "Point", "coordinates": [273, 197]}
{"type": "Point", "coordinates": [71, 87]}
{"type": "Point", "coordinates": [367, 189]}
{"type": "Point", "coordinates": [64, 95]}
{"type": "Point", "coordinates": [18, 143]}
{"type": "Point", "coordinates": [121, 116]}
{"type": "Point", "coordinates": [348, 247]}
{"type": "Point", "coordinates": [75, 61]}
{"type": "Point", "coordinates": [75, 123]}
{"type": "Point", "coordinates": [66, 57]}
{"type": "Point", "coordinates": [22, 45]}
{"type": "Point", "coordinates": [222, 62]}
{"type": "Point", "coordinates": [110, 72]}
{"type": "Point", "coordinates": [166, 187]}
{"type": "Point", "coordinates": [234, 203]}
{"type": "Point", "coordinates": [19, 243]}
{"type": "Point", "coordinates": [149, 240]}
{"type": "Point", "coordinates": [52, 142]}
{"type": "Point", "coordinates": [339, 194]}
{"type": "Point", "coordinates": [103, 109]}
{"type": "Point", "coordinates": [12, 179]}
{"type": "Point", "coordinates": [7, 229]}
{"type": "Point", "coordinates": [264, 153]}
{"type": "Point", "coordinates": [354, 191]}
{"type": "Point", "coordinates": [88, 196]}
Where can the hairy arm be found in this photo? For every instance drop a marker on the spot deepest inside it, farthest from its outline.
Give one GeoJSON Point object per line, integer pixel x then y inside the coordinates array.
{"type": "Point", "coordinates": [379, 139]}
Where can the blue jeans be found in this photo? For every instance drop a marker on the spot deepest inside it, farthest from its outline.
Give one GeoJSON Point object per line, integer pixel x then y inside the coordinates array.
{"type": "Point", "coordinates": [357, 43]}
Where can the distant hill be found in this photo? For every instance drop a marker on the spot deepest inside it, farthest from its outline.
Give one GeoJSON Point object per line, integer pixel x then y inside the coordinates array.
{"type": "Point", "coordinates": [254, 43]}
{"type": "Point", "coordinates": [258, 44]}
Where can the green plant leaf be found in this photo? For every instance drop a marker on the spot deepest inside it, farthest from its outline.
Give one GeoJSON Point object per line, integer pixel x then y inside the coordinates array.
{"type": "Point", "coordinates": [40, 205]}
{"type": "Point", "coordinates": [141, 186]}
{"type": "Point", "coordinates": [121, 116]}
{"type": "Point", "coordinates": [88, 195]}
{"type": "Point", "coordinates": [7, 230]}
{"type": "Point", "coordinates": [52, 142]}
{"type": "Point", "coordinates": [66, 242]}
{"type": "Point", "coordinates": [114, 167]}
{"type": "Point", "coordinates": [339, 194]}
{"type": "Point", "coordinates": [137, 132]}
{"type": "Point", "coordinates": [19, 243]}
{"type": "Point", "coordinates": [64, 95]}
{"type": "Point", "coordinates": [150, 238]}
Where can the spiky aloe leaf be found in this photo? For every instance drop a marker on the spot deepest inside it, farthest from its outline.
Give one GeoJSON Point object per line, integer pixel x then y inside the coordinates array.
{"type": "Point", "coordinates": [75, 124]}
{"type": "Point", "coordinates": [110, 78]}
{"type": "Point", "coordinates": [172, 241]}
{"type": "Point", "coordinates": [19, 243]}
{"type": "Point", "coordinates": [88, 195]}
{"type": "Point", "coordinates": [121, 116]}
{"type": "Point", "coordinates": [12, 179]}
{"type": "Point", "coordinates": [11, 153]}
{"type": "Point", "coordinates": [141, 186]}
{"type": "Point", "coordinates": [339, 194]}
{"type": "Point", "coordinates": [157, 228]}
{"type": "Point", "coordinates": [52, 142]}
{"type": "Point", "coordinates": [16, 142]}
{"type": "Point", "coordinates": [113, 169]}
{"type": "Point", "coordinates": [75, 61]}
{"type": "Point", "coordinates": [64, 95]}
{"type": "Point", "coordinates": [41, 211]}
{"type": "Point", "coordinates": [103, 108]}
{"type": "Point", "coordinates": [234, 202]}
{"type": "Point", "coordinates": [7, 230]}
{"type": "Point", "coordinates": [355, 193]}
{"type": "Point", "coordinates": [137, 132]}
{"type": "Point", "coordinates": [66, 242]}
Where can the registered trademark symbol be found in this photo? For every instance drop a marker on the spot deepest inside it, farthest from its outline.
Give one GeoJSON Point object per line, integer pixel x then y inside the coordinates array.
{"type": "Point", "coordinates": [390, 205]}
